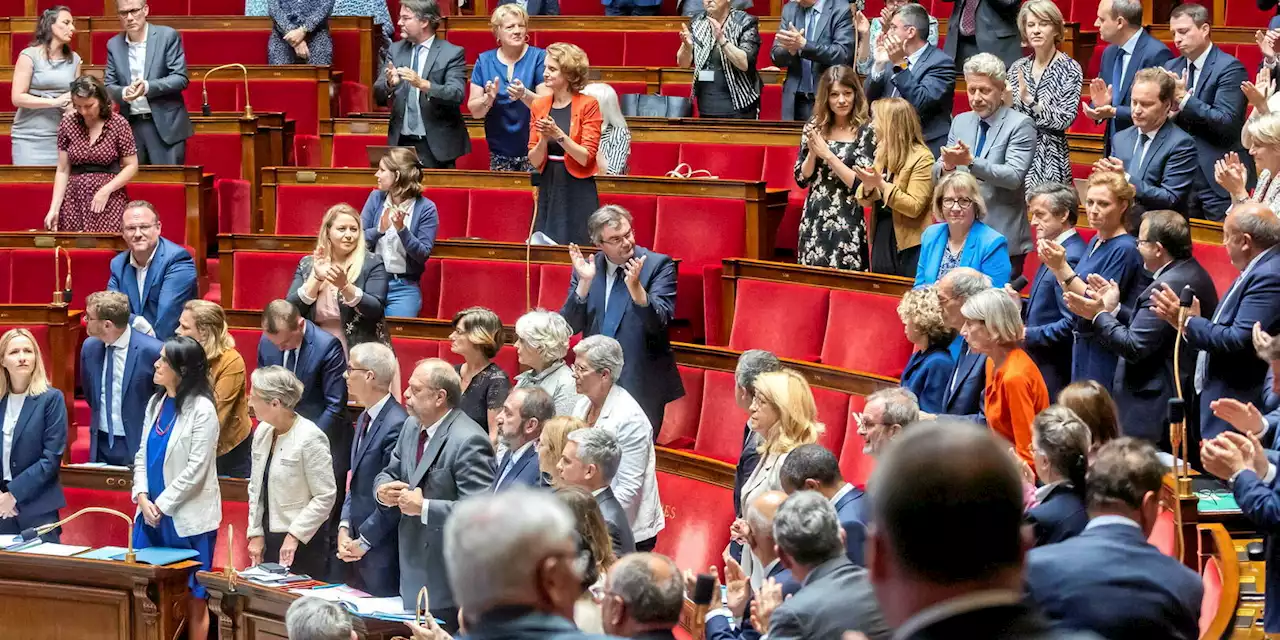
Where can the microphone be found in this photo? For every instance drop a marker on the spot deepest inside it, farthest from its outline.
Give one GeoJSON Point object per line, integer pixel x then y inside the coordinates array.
{"type": "Point", "coordinates": [702, 593]}
{"type": "Point", "coordinates": [32, 533]}
{"type": "Point", "coordinates": [1184, 300]}
{"type": "Point", "coordinates": [28, 535]}
{"type": "Point", "coordinates": [61, 297]}
{"type": "Point", "coordinates": [205, 109]}
{"type": "Point", "coordinates": [1018, 283]}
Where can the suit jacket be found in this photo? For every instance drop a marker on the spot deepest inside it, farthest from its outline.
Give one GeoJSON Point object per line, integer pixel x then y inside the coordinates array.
{"type": "Point", "coordinates": [831, 44]}
{"type": "Point", "coordinates": [585, 126]}
{"type": "Point", "coordinates": [365, 321]}
{"type": "Point", "coordinates": [1144, 377]}
{"type": "Point", "coordinates": [365, 517]}
{"type": "Point", "coordinates": [457, 462]}
{"type": "Point", "coordinates": [849, 509]}
{"type": "Point", "coordinates": [138, 387]}
{"type": "Point", "coordinates": [538, 7]}
{"type": "Point", "coordinates": [321, 365]}
{"type": "Point", "coordinates": [927, 374]}
{"type": "Point", "coordinates": [836, 597]}
{"type": "Point", "coordinates": [1001, 169]}
{"type": "Point", "coordinates": [1111, 581]}
{"type": "Point", "coordinates": [996, 32]}
{"type": "Point", "coordinates": [171, 282]}
{"type": "Point", "coordinates": [301, 487]}
{"type": "Point", "coordinates": [1061, 515]}
{"type": "Point", "coordinates": [520, 623]}
{"type": "Point", "coordinates": [908, 199]}
{"type": "Point", "coordinates": [718, 627]}
{"type": "Point", "coordinates": [985, 249]}
{"type": "Point", "coordinates": [39, 437]}
{"type": "Point", "coordinates": [930, 87]}
{"type": "Point", "coordinates": [1168, 176]}
{"type": "Point", "coordinates": [964, 399]}
{"type": "Point", "coordinates": [418, 236]}
{"type": "Point", "coordinates": [191, 494]}
{"type": "Point", "coordinates": [999, 622]}
{"type": "Point", "coordinates": [524, 472]}
{"type": "Point", "coordinates": [165, 71]}
{"type": "Point", "coordinates": [1260, 503]}
{"type": "Point", "coordinates": [1147, 52]}
{"type": "Point", "coordinates": [446, 69]}
{"type": "Point", "coordinates": [1233, 368]}
{"type": "Point", "coordinates": [615, 518]}
{"type": "Point", "coordinates": [1049, 322]}
{"type": "Point", "coordinates": [747, 462]}
{"type": "Point", "coordinates": [649, 369]}
{"type": "Point", "coordinates": [1214, 115]}
{"type": "Point", "coordinates": [636, 482]}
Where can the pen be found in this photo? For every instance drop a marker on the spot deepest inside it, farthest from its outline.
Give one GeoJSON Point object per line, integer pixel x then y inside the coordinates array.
{"type": "Point", "coordinates": [325, 586]}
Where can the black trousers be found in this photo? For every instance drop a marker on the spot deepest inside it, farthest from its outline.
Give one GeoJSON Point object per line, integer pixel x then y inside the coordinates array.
{"type": "Point", "coordinates": [237, 462]}
{"type": "Point", "coordinates": [117, 455]}
{"type": "Point", "coordinates": [645, 546]}
{"type": "Point", "coordinates": [803, 106]}
{"type": "Point", "coordinates": [152, 149]}
{"type": "Point", "coordinates": [428, 159]}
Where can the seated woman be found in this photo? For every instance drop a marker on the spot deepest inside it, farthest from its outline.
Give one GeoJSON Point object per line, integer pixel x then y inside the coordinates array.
{"type": "Point", "coordinates": [721, 45]}
{"type": "Point", "coordinates": [206, 323]}
{"type": "Point", "coordinates": [1015, 392]}
{"type": "Point", "coordinates": [897, 187]}
{"type": "Point", "coordinates": [555, 435]}
{"type": "Point", "coordinates": [41, 77]}
{"type": "Point", "coordinates": [477, 336]}
{"type": "Point", "coordinates": [929, 369]}
{"type": "Point", "coordinates": [542, 342]}
{"type": "Point", "coordinates": [504, 83]}
{"type": "Point", "coordinates": [1261, 136]}
{"type": "Point", "coordinates": [96, 159]}
{"type": "Point", "coordinates": [400, 227]}
{"type": "Point", "coordinates": [175, 479]}
{"type": "Point", "coordinates": [615, 137]}
{"type": "Point", "coordinates": [961, 239]}
{"type": "Point", "coordinates": [291, 490]}
{"type": "Point", "coordinates": [1092, 403]}
{"type": "Point", "coordinates": [30, 494]}
{"type": "Point", "coordinates": [300, 33]}
{"type": "Point", "coordinates": [1060, 448]}
{"type": "Point", "coordinates": [563, 140]}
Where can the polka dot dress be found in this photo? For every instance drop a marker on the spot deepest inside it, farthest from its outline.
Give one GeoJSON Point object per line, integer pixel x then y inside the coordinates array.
{"type": "Point", "coordinates": [113, 145]}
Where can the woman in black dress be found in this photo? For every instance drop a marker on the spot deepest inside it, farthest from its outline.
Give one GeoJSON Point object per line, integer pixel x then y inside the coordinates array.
{"type": "Point", "coordinates": [477, 336]}
{"type": "Point", "coordinates": [564, 135]}
{"type": "Point", "coordinates": [721, 44]}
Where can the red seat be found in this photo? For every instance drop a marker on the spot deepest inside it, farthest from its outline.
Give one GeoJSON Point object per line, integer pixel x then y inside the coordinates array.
{"type": "Point", "coordinates": [1164, 533]}
{"type": "Point", "coordinates": [171, 201]}
{"type": "Point", "coordinates": [760, 306]}
{"type": "Point", "coordinates": [961, 104]}
{"type": "Point", "coordinates": [1214, 259]}
{"type": "Point", "coordinates": [26, 205]}
{"type": "Point", "coordinates": [680, 422]}
{"type": "Point", "coordinates": [833, 412]}
{"type": "Point", "coordinates": [6, 149]}
{"type": "Point", "coordinates": [720, 421]}
{"type": "Point", "coordinates": [855, 466]}
{"type": "Point", "coordinates": [1246, 14]}
{"type": "Point", "coordinates": [474, 42]}
{"type": "Point", "coordinates": [553, 286]}
{"type": "Point", "coordinates": [497, 285]}
{"type": "Point", "coordinates": [644, 213]}
{"type": "Point", "coordinates": [713, 304]}
{"type": "Point", "coordinates": [581, 8]}
{"type": "Point", "coordinates": [779, 173]}
{"type": "Point", "coordinates": [500, 214]}
{"type": "Point", "coordinates": [650, 48]}
{"type": "Point", "coordinates": [41, 334]}
{"type": "Point", "coordinates": [99, 530]}
{"type": "Point", "coordinates": [451, 208]}
{"type": "Point", "coordinates": [91, 269]}
{"type": "Point", "coordinates": [647, 159]}
{"type": "Point", "coordinates": [478, 159]}
{"type": "Point", "coordinates": [700, 232]}
{"type": "Point", "coordinates": [764, 59]}
{"type": "Point", "coordinates": [725, 161]}
{"type": "Point", "coordinates": [411, 351]}
{"type": "Point", "coordinates": [6, 271]}
{"type": "Point", "coordinates": [218, 153]}
{"type": "Point", "coordinates": [300, 208]}
{"type": "Point", "coordinates": [603, 48]}
{"type": "Point", "coordinates": [430, 287]}
{"type": "Point", "coordinates": [272, 273]}
{"type": "Point", "coordinates": [698, 516]}
{"type": "Point", "coordinates": [349, 150]}
{"type": "Point", "coordinates": [1211, 580]}
{"type": "Point", "coordinates": [236, 514]}
{"type": "Point", "coordinates": [877, 346]}
{"type": "Point", "coordinates": [247, 345]}
{"type": "Point", "coordinates": [771, 102]}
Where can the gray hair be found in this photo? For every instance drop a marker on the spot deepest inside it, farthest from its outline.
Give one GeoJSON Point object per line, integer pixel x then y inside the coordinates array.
{"type": "Point", "coordinates": [901, 406]}
{"type": "Point", "coordinates": [547, 332]}
{"type": "Point", "coordinates": [650, 598]}
{"type": "Point", "coordinates": [493, 545]}
{"type": "Point", "coordinates": [967, 282]}
{"type": "Point", "coordinates": [751, 364]}
{"type": "Point", "coordinates": [599, 447]}
{"type": "Point", "coordinates": [610, 112]}
{"type": "Point", "coordinates": [442, 376]}
{"type": "Point", "coordinates": [602, 353]}
{"type": "Point", "coordinates": [310, 618]}
{"type": "Point", "coordinates": [986, 64]}
{"type": "Point", "coordinates": [610, 215]}
{"type": "Point", "coordinates": [277, 383]}
{"type": "Point", "coordinates": [915, 16]}
{"type": "Point", "coordinates": [1130, 10]}
{"type": "Point", "coordinates": [1263, 230]}
{"type": "Point", "coordinates": [807, 529]}
{"type": "Point", "coordinates": [378, 358]}
{"type": "Point", "coordinates": [1000, 313]}
{"type": "Point", "coordinates": [1060, 198]}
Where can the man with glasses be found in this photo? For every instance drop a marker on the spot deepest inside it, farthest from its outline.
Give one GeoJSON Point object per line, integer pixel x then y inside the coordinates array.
{"type": "Point", "coordinates": [146, 74]}
{"type": "Point", "coordinates": [886, 413]}
{"type": "Point", "coordinates": [628, 293]}
{"type": "Point", "coordinates": [116, 370]}
{"type": "Point", "coordinates": [157, 274]}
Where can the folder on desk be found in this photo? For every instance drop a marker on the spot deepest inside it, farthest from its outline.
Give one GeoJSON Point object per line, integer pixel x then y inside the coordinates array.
{"type": "Point", "coordinates": [160, 556]}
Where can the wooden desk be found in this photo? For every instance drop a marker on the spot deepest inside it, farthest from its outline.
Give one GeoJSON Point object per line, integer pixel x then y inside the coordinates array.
{"type": "Point", "coordinates": [249, 611]}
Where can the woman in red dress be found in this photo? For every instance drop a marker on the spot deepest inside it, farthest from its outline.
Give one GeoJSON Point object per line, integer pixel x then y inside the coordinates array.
{"type": "Point", "coordinates": [96, 159]}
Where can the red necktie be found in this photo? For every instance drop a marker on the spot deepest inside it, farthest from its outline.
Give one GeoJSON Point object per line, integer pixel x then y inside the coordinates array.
{"type": "Point", "coordinates": [969, 18]}
{"type": "Point", "coordinates": [422, 444]}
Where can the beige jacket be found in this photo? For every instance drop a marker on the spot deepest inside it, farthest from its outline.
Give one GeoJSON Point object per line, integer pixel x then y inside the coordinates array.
{"type": "Point", "coordinates": [302, 489]}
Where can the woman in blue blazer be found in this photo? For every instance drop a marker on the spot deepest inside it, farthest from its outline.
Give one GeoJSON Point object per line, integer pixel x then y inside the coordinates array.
{"type": "Point", "coordinates": [930, 366]}
{"type": "Point", "coordinates": [962, 239]}
{"type": "Point", "coordinates": [398, 205]}
{"type": "Point", "coordinates": [34, 415]}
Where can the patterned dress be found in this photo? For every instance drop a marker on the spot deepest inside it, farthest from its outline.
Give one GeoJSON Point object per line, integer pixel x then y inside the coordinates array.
{"type": "Point", "coordinates": [1056, 99]}
{"type": "Point", "coordinates": [113, 145]}
{"type": "Point", "coordinates": [833, 232]}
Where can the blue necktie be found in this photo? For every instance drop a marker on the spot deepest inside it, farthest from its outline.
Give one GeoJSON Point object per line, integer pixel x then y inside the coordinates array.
{"type": "Point", "coordinates": [1117, 83]}
{"type": "Point", "coordinates": [110, 383]}
{"type": "Point", "coordinates": [807, 85]}
{"type": "Point", "coordinates": [616, 305]}
{"type": "Point", "coordinates": [1140, 153]}
{"type": "Point", "coordinates": [413, 108]}
{"type": "Point", "coordinates": [983, 127]}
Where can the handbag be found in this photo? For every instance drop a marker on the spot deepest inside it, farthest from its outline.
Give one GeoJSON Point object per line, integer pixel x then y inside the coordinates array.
{"type": "Point", "coordinates": [656, 106]}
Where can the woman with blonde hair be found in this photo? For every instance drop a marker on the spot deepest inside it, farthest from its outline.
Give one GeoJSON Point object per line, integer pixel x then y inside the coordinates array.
{"type": "Point", "coordinates": [477, 337]}
{"type": "Point", "coordinates": [563, 141]}
{"type": "Point", "coordinates": [896, 187]}
{"type": "Point", "coordinates": [1046, 87]}
{"type": "Point", "coordinates": [615, 136]}
{"type": "Point", "coordinates": [1261, 136]}
{"type": "Point", "coordinates": [960, 238]}
{"type": "Point", "coordinates": [930, 366]}
{"type": "Point", "coordinates": [400, 227]}
{"type": "Point", "coordinates": [555, 435]}
{"type": "Point", "coordinates": [504, 83]}
{"type": "Point", "coordinates": [206, 323]}
{"type": "Point", "coordinates": [30, 494]}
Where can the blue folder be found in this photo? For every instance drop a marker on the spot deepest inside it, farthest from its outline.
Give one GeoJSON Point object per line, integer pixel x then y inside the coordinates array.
{"type": "Point", "coordinates": [160, 556]}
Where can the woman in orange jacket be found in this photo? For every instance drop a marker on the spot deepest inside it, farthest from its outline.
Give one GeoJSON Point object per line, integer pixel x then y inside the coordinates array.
{"type": "Point", "coordinates": [565, 163]}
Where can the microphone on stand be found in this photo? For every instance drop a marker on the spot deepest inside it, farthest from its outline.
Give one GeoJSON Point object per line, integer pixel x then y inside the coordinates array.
{"type": "Point", "coordinates": [535, 179]}
{"type": "Point", "coordinates": [702, 594]}
{"type": "Point", "coordinates": [61, 297]}
{"type": "Point", "coordinates": [205, 109]}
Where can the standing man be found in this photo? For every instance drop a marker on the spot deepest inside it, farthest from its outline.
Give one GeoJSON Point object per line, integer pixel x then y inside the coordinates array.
{"type": "Point", "coordinates": [812, 467]}
{"type": "Point", "coordinates": [1053, 209]}
{"type": "Point", "coordinates": [520, 423]}
{"type": "Point", "coordinates": [812, 36]}
{"type": "Point", "coordinates": [628, 293]}
{"type": "Point", "coordinates": [984, 26]}
{"type": "Point", "coordinates": [589, 461]}
{"type": "Point", "coordinates": [116, 367]}
{"type": "Point", "coordinates": [157, 274]}
{"type": "Point", "coordinates": [442, 457]}
{"type": "Point", "coordinates": [424, 84]}
{"type": "Point", "coordinates": [907, 66]}
{"type": "Point", "coordinates": [1131, 49]}
{"type": "Point", "coordinates": [146, 74]}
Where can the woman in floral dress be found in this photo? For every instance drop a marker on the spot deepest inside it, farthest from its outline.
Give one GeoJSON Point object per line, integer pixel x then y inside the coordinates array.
{"type": "Point", "coordinates": [96, 159]}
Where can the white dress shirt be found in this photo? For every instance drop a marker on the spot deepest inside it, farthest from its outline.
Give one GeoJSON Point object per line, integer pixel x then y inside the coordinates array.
{"type": "Point", "coordinates": [840, 494]}
{"type": "Point", "coordinates": [1129, 46]}
{"type": "Point", "coordinates": [11, 412]}
{"type": "Point", "coordinates": [389, 246]}
{"type": "Point", "coordinates": [117, 384]}
{"type": "Point", "coordinates": [141, 271]}
{"type": "Point", "coordinates": [137, 70]}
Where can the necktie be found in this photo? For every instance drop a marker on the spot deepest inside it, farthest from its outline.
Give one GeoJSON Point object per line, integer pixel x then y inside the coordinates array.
{"type": "Point", "coordinates": [1117, 81]}
{"type": "Point", "coordinates": [422, 444]}
{"type": "Point", "coordinates": [413, 109]}
{"type": "Point", "coordinates": [1191, 78]}
{"type": "Point", "coordinates": [109, 386]}
{"type": "Point", "coordinates": [969, 18]}
{"type": "Point", "coordinates": [502, 469]}
{"type": "Point", "coordinates": [1140, 154]}
{"type": "Point", "coordinates": [616, 305]}
{"type": "Point", "coordinates": [362, 428]}
{"type": "Point", "coordinates": [806, 65]}
{"type": "Point", "coordinates": [291, 360]}
{"type": "Point", "coordinates": [983, 127]}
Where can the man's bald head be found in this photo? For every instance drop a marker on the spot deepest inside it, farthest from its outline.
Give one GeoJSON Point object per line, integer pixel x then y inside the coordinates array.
{"type": "Point", "coordinates": [651, 590]}
{"type": "Point", "coordinates": [960, 284]}
{"type": "Point", "coordinates": [1250, 229]}
{"type": "Point", "coordinates": [761, 511]}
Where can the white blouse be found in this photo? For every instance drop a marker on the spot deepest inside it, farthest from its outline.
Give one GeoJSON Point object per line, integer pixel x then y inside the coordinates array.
{"type": "Point", "coordinates": [12, 410]}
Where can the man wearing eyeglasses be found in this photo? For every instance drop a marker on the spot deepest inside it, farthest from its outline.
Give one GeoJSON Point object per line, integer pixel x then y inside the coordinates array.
{"type": "Point", "coordinates": [146, 75]}
{"type": "Point", "coordinates": [157, 274]}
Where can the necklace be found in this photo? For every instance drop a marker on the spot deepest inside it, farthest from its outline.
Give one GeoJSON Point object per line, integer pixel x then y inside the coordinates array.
{"type": "Point", "coordinates": [163, 429]}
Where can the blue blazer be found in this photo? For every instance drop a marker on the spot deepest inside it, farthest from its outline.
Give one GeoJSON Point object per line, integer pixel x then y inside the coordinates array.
{"type": "Point", "coordinates": [1261, 505]}
{"type": "Point", "coordinates": [39, 438]}
{"type": "Point", "coordinates": [1234, 370]}
{"type": "Point", "coordinates": [1148, 52]}
{"type": "Point", "coordinates": [718, 627]}
{"type": "Point", "coordinates": [1111, 581]}
{"type": "Point", "coordinates": [965, 398]}
{"type": "Point", "coordinates": [171, 282]}
{"type": "Point", "coordinates": [524, 472]}
{"type": "Point", "coordinates": [984, 249]}
{"type": "Point", "coordinates": [1169, 176]}
{"type": "Point", "coordinates": [418, 237]}
{"type": "Point", "coordinates": [1214, 115]}
{"type": "Point", "coordinates": [1049, 322]}
{"type": "Point", "coordinates": [929, 86]}
{"type": "Point", "coordinates": [927, 375]}
{"type": "Point", "coordinates": [321, 365]}
{"type": "Point", "coordinates": [849, 510]}
{"type": "Point", "coordinates": [139, 368]}
{"type": "Point", "coordinates": [1061, 515]}
{"type": "Point", "coordinates": [380, 566]}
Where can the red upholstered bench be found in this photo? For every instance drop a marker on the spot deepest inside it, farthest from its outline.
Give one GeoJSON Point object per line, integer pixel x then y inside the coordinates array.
{"type": "Point", "coordinates": [495, 284]}
{"type": "Point", "coordinates": [855, 466]}
{"type": "Point", "coordinates": [300, 208]}
{"type": "Point", "coordinates": [700, 232]}
{"type": "Point", "coordinates": [295, 97]}
{"type": "Point", "coordinates": [97, 530]}
{"type": "Point", "coordinates": [553, 286]}
{"type": "Point", "coordinates": [272, 273]}
{"type": "Point", "coordinates": [451, 209]}
{"type": "Point", "coordinates": [720, 420]}
{"type": "Point", "coordinates": [32, 279]}
{"type": "Point", "coordinates": [698, 516]}
{"type": "Point", "coordinates": [1214, 259]}
{"type": "Point", "coordinates": [247, 344]}
{"type": "Point", "coordinates": [650, 48]}
{"type": "Point", "coordinates": [644, 213]}
{"type": "Point", "coordinates": [603, 48]}
{"type": "Point", "coordinates": [349, 149]}
{"type": "Point", "coordinates": [759, 308]}
{"type": "Point", "coordinates": [499, 214]}
{"type": "Point", "coordinates": [863, 333]}
{"type": "Point", "coordinates": [653, 158]}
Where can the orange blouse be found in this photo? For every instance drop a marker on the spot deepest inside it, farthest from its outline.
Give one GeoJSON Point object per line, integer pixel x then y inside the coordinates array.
{"type": "Point", "coordinates": [1015, 394]}
{"type": "Point", "coordinates": [584, 128]}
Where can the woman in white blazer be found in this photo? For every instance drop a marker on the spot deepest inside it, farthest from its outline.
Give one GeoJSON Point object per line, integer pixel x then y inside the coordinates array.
{"type": "Point", "coordinates": [175, 478]}
{"type": "Point", "coordinates": [291, 487]}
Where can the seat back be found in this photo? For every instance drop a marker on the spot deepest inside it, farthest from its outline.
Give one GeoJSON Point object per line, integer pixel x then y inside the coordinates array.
{"type": "Point", "coordinates": [720, 420]}
{"type": "Point", "coordinates": [877, 345]}
{"type": "Point", "coordinates": [759, 309]}
{"type": "Point", "coordinates": [300, 208]}
{"type": "Point", "coordinates": [495, 284]}
{"type": "Point", "coordinates": [698, 516]}
{"type": "Point", "coordinates": [272, 276]}
{"type": "Point", "coordinates": [1164, 533]}
{"type": "Point", "coordinates": [1211, 579]}
{"type": "Point", "coordinates": [680, 422]}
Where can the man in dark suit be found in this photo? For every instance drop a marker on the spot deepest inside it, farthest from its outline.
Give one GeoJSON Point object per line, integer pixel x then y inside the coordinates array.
{"type": "Point", "coordinates": [1210, 102]}
{"type": "Point", "coordinates": [964, 397]}
{"type": "Point", "coordinates": [984, 26]}
{"type": "Point", "coordinates": [736, 609]}
{"type": "Point", "coordinates": [520, 422]}
{"type": "Point", "coordinates": [1053, 209]}
{"type": "Point", "coordinates": [159, 276]}
{"type": "Point", "coordinates": [1144, 378]}
{"type": "Point", "coordinates": [537, 7]}
{"type": "Point", "coordinates": [1131, 49]}
{"type": "Point", "coordinates": [367, 532]}
{"type": "Point", "coordinates": [751, 364]}
{"type": "Point", "coordinates": [1109, 579]}
{"type": "Point", "coordinates": [812, 36]}
{"type": "Point", "coordinates": [644, 595]}
{"type": "Point", "coordinates": [812, 467]}
{"type": "Point", "coordinates": [146, 74]}
{"type": "Point", "coordinates": [424, 84]}
{"type": "Point", "coordinates": [589, 461]}
{"type": "Point", "coordinates": [628, 293]}
{"type": "Point", "coordinates": [1227, 366]}
{"type": "Point", "coordinates": [116, 369]}
{"type": "Point", "coordinates": [918, 72]}
{"type": "Point", "coordinates": [442, 458]}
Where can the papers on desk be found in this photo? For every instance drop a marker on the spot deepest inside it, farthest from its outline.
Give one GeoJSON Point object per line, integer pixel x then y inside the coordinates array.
{"type": "Point", "coordinates": [361, 603]}
{"type": "Point", "coordinates": [52, 549]}
{"type": "Point", "coordinates": [6, 541]}
{"type": "Point", "coordinates": [333, 592]}
{"type": "Point", "coordinates": [98, 465]}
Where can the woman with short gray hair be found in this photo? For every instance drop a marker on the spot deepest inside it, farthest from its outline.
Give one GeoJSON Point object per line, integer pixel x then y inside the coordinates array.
{"type": "Point", "coordinates": [542, 341]}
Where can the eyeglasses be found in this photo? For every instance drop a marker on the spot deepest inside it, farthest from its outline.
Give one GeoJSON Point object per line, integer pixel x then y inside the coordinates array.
{"type": "Point", "coordinates": [347, 374]}
{"type": "Point", "coordinates": [582, 369]}
{"type": "Point", "coordinates": [630, 235]}
{"type": "Point", "coordinates": [140, 228]}
{"type": "Point", "coordinates": [130, 13]}
{"type": "Point", "coordinates": [954, 203]}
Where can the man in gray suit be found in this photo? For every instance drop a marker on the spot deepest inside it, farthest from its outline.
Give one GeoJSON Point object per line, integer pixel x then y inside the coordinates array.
{"type": "Point", "coordinates": [442, 457]}
{"type": "Point", "coordinates": [995, 144]}
{"type": "Point", "coordinates": [589, 460]}
{"type": "Point", "coordinates": [146, 75]}
{"type": "Point", "coordinates": [836, 596]}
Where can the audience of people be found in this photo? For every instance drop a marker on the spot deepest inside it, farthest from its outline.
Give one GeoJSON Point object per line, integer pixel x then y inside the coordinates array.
{"type": "Point", "coordinates": [1131, 49]}
{"type": "Point", "coordinates": [1046, 87]}
{"type": "Point", "coordinates": [504, 83]}
{"type": "Point", "coordinates": [907, 65]}
{"type": "Point", "coordinates": [206, 323]}
{"type": "Point", "coordinates": [720, 44]}
{"type": "Point", "coordinates": [813, 35]}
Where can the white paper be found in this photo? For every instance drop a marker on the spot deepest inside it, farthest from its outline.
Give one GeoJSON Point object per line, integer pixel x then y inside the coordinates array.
{"type": "Point", "coordinates": [8, 540]}
{"type": "Point", "coordinates": [51, 549]}
{"type": "Point", "coordinates": [374, 606]}
{"type": "Point", "coordinates": [98, 465]}
{"type": "Point", "coordinates": [334, 593]}
{"type": "Point", "coordinates": [257, 574]}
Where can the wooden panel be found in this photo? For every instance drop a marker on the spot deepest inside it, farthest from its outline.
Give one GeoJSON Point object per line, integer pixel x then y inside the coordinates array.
{"type": "Point", "coordinates": [37, 611]}
{"type": "Point", "coordinates": [249, 611]}
{"type": "Point", "coordinates": [233, 489]}
{"type": "Point", "coordinates": [1216, 543]}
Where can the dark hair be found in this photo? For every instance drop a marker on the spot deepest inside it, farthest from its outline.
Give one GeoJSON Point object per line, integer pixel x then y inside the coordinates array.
{"type": "Point", "coordinates": [1198, 13]}
{"type": "Point", "coordinates": [425, 10]}
{"type": "Point", "coordinates": [915, 16]}
{"type": "Point", "coordinates": [844, 76]}
{"type": "Point", "coordinates": [1171, 230]}
{"type": "Point", "coordinates": [91, 87]}
{"type": "Point", "coordinates": [1062, 199]}
{"type": "Point", "coordinates": [1124, 471]}
{"type": "Point", "coordinates": [186, 357]}
{"type": "Point", "coordinates": [1063, 438]}
{"type": "Point", "coordinates": [1092, 403]}
{"type": "Point", "coordinates": [43, 35]}
{"type": "Point", "coordinates": [536, 403]}
{"type": "Point", "coordinates": [809, 462]}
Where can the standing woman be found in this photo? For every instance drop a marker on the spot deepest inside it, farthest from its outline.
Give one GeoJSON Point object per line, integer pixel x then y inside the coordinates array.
{"type": "Point", "coordinates": [175, 480]}
{"type": "Point", "coordinates": [477, 336]}
{"type": "Point", "coordinates": [41, 77]}
{"type": "Point", "coordinates": [291, 489]}
{"type": "Point", "coordinates": [206, 323]}
{"type": "Point", "coordinates": [35, 434]}
{"type": "Point", "coordinates": [1046, 87]}
{"type": "Point", "coordinates": [504, 83]}
{"type": "Point", "coordinates": [897, 187]}
{"type": "Point", "coordinates": [565, 163]}
{"type": "Point", "coordinates": [96, 159]}
{"type": "Point", "coordinates": [837, 139]}
{"type": "Point", "coordinates": [721, 45]}
{"type": "Point", "coordinates": [961, 238]}
{"type": "Point", "coordinates": [1093, 404]}
{"type": "Point", "coordinates": [400, 226]}
{"type": "Point", "coordinates": [551, 444]}
{"type": "Point", "coordinates": [542, 342]}
{"type": "Point", "coordinates": [615, 137]}
{"type": "Point", "coordinates": [300, 32]}
{"type": "Point", "coordinates": [930, 367]}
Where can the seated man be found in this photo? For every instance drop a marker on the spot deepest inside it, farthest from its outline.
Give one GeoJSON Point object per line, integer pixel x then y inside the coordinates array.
{"type": "Point", "coordinates": [158, 275]}
{"type": "Point", "coordinates": [116, 369]}
{"type": "Point", "coordinates": [812, 467]}
{"type": "Point", "coordinates": [589, 461]}
{"type": "Point", "coordinates": [520, 422]}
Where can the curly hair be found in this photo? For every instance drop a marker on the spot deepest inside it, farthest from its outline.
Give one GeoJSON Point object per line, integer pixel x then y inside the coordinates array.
{"type": "Point", "coordinates": [921, 308]}
{"type": "Point", "coordinates": [573, 62]}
